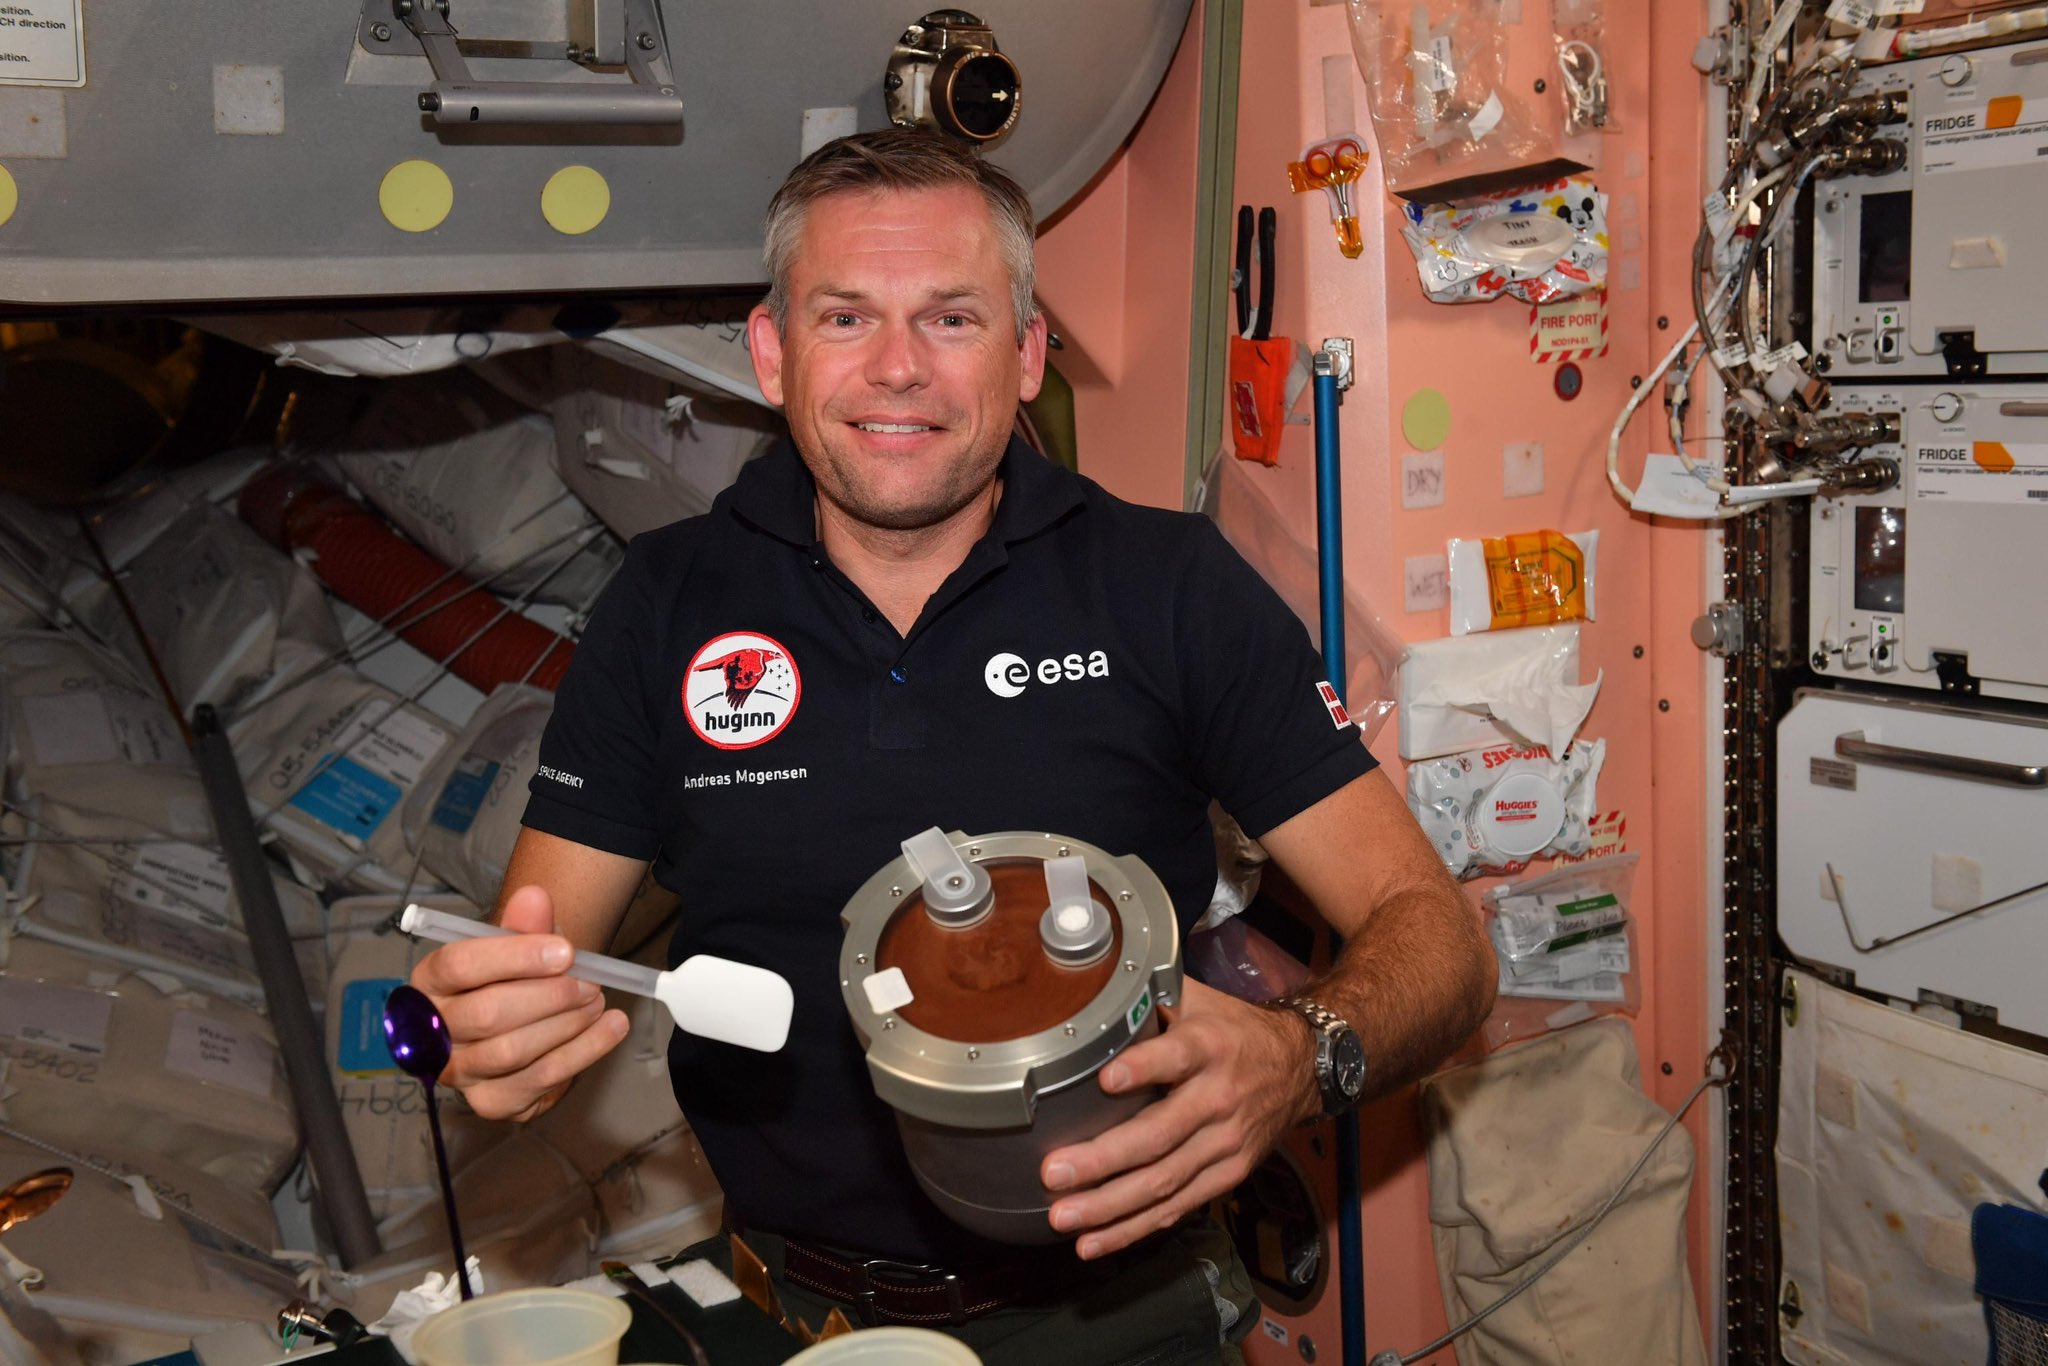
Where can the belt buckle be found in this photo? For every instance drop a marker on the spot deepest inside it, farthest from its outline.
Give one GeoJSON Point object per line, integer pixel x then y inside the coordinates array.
{"type": "Point", "coordinates": [866, 1272]}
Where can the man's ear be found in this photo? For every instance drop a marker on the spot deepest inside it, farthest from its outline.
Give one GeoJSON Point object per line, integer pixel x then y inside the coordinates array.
{"type": "Point", "coordinates": [1030, 359]}
{"type": "Point", "coordinates": [764, 347]}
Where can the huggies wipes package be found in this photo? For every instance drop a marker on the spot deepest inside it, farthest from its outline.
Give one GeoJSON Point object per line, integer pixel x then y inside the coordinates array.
{"type": "Point", "coordinates": [1493, 810]}
{"type": "Point", "coordinates": [1539, 245]}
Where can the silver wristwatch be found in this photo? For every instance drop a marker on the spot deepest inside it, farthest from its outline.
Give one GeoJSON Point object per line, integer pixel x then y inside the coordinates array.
{"type": "Point", "coordinates": [1340, 1056]}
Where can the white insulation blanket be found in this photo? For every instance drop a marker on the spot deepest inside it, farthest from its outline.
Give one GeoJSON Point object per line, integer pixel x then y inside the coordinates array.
{"type": "Point", "coordinates": [463, 818]}
{"type": "Point", "coordinates": [1891, 1130]}
{"type": "Point", "coordinates": [1525, 1146]}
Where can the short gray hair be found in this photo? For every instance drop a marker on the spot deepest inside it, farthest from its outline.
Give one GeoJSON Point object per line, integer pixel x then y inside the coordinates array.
{"type": "Point", "coordinates": [898, 159]}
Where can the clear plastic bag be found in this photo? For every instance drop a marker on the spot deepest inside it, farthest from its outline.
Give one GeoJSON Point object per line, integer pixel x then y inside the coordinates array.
{"type": "Point", "coordinates": [1235, 958]}
{"type": "Point", "coordinates": [1435, 73]}
{"type": "Point", "coordinates": [1580, 30]}
{"type": "Point", "coordinates": [1565, 946]}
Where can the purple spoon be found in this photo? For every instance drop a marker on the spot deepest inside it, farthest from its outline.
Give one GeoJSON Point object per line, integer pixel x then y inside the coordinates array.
{"type": "Point", "coordinates": [419, 1044]}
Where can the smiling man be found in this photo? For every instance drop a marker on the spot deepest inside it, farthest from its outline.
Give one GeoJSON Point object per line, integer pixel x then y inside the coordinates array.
{"type": "Point", "coordinates": [904, 618]}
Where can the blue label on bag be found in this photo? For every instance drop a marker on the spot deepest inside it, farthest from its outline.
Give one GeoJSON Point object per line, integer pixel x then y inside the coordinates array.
{"type": "Point", "coordinates": [361, 1048]}
{"type": "Point", "coordinates": [349, 798]}
{"type": "Point", "coordinates": [462, 796]}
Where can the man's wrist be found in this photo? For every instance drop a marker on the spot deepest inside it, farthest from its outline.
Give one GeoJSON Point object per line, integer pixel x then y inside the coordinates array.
{"type": "Point", "coordinates": [1298, 1038]}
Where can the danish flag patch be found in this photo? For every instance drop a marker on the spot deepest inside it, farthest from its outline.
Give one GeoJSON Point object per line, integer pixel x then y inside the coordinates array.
{"type": "Point", "coordinates": [1334, 705]}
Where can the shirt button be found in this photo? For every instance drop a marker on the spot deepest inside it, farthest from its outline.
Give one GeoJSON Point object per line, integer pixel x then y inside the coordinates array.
{"type": "Point", "coordinates": [867, 614]}
{"type": "Point", "coordinates": [896, 675]}
{"type": "Point", "coordinates": [818, 565]}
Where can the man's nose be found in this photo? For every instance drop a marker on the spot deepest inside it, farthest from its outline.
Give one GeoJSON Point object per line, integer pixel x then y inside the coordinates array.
{"type": "Point", "coordinates": [898, 359]}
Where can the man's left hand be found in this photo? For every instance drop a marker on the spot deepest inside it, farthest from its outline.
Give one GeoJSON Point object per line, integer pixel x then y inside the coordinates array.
{"type": "Point", "coordinates": [1238, 1076]}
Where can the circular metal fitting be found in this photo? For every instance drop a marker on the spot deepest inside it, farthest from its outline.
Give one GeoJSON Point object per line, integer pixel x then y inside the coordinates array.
{"type": "Point", "coordinates": [1075, 935]}
{"type": "Point", "coordinates": [947, 73]}
{"type": "Point", "coordinates": [924, 1074]}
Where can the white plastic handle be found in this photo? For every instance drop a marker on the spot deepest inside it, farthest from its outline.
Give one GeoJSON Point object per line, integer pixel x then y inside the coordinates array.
{"type": "Point", "coordinates": [1066, 882]}
{"type": "Point", "coordinates": [937, 863]}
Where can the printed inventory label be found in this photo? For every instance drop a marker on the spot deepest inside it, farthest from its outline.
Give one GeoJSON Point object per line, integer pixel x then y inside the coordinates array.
{"type": "Point", "coordinates": [42, 42]}
{"type": "Point", "coordinates": [398, 745]}
{"type": "Point", "coordinates": [58, 1017]}
{"type": "Point", "coordinates": [1966, 471]}
{"type": "Point", "coordinates": [462, 796]}
{"type": "Point", "coordinates": [213, 1050]}
{"type": "Point", "coordinates": [360, 1048]}
{"type": "Point", "coordinates": [2010, 130]}
{"type": "Point", "coordinates": [348, 798]}
{"type": "Point", "coordinates": [181, 879]}
{"type": "Point", "coordinates": [383, 754]}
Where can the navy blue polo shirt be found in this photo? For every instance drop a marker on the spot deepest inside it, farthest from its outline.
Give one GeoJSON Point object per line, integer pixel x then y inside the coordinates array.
{"type": "Point", "coordinates": [739, 713]}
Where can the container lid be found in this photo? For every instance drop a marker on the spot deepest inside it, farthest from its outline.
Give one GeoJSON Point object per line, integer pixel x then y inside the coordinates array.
{"type": "Point", "coordinates": [888, 1347]}
{"type": "Point", "coordinates": [968, 1024]}
{"type": "Point", "coordinates": [1520, 814]}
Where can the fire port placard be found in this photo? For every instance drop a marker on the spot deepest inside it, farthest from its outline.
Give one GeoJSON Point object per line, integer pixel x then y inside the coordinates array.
{"type": "Point", "coordinates": [42, 42]}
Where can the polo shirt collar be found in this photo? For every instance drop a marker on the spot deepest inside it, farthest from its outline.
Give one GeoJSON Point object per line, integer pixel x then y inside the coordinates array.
{"type": "Point", "coordinates": [777, 494]}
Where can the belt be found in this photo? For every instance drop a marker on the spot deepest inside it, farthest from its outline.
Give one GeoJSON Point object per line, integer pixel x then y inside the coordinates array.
{"type": "Point", "coordinates": [884, 1290]}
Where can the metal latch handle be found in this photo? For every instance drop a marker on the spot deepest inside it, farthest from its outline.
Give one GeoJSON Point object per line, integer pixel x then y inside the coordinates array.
{"type": "Point", "coordinates": [457, 97]}
{"type": "Point", "coordinates": [1853, 746]}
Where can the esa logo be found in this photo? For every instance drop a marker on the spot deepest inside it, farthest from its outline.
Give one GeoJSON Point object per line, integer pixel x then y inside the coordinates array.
{"type": "Point", "coordinates": [1007, 674]}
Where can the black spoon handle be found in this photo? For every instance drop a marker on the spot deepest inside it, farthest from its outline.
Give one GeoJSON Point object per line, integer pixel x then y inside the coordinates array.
{"type": "Point", "coordinates": [447, 1190]}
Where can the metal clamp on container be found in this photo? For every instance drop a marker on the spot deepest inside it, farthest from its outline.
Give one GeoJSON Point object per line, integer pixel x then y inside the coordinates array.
{"type": "Point", "coordinates": [989, 978]}
{"type": "Point", "coordinates": [608, 33]}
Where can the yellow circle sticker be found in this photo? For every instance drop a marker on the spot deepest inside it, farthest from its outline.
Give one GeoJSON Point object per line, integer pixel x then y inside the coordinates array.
{"type": "Point", "coordinates": [9, 196]}
{"type": "Point", "coordinates": [1426, 419]}
{"type": "Point", "coordinates": [576, 200]}
{"type": "Point", "coordinates": [416, 196]}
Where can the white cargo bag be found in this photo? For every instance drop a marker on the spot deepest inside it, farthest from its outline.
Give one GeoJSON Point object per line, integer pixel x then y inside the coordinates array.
{"type": "Point", "coordinates": [327, 764]}
{"type": "Point", "coordinates": [644, 451]}
{"type": "Point", "coordinates": [216, 599]}
{"type": "Point", "coordinates": [463, 818]}
{"type": "Point", "coordinates": [93, 1051]}
{"type": "Point", "coordinates": [146, 898]}
{"type": "Point", "coordinates": [126, 1276]}
{"type": "Point", "coordinates": [620, 1128]}
{"type": "Point", "coordinates": [1522, 1148]}
{"type": "Point", "coordinates": [1892, 1130]}
{"type": "Point", "coordinates": [74, 710]}
{"type": "Point", "coordinates": [383, 1108]}
{"type": "Point", "coordinates": [470, 477]}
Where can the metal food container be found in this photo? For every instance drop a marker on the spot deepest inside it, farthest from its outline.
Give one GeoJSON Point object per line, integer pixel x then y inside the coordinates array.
{"type": "Point", "coordinates": [989, 978]}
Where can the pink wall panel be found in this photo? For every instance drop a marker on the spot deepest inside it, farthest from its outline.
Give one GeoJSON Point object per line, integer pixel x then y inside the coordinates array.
{"type": "Point", "coordinates": [1116, 275]}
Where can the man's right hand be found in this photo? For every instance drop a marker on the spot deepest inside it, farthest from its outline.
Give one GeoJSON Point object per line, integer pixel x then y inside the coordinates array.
{"type": "Point", "coordinates": [521, 1030]}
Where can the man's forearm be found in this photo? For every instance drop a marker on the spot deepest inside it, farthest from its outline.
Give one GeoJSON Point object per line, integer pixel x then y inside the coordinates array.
{"type": "Point", "coordinates": [1415, 982]}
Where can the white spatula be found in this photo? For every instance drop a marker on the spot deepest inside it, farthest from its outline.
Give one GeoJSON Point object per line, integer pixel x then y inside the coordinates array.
{"type": "Point", "coordinates": [713, 998]}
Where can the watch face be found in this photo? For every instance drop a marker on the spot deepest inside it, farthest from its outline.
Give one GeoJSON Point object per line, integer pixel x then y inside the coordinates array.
{"type": "Point", "coordinates": [1347, 1065]}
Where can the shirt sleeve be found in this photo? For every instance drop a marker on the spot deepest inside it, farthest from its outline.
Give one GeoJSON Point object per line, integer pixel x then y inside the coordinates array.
{"type": "Point", "coordinates": [1268, 740]}
{"type": "Point", "coordinates": [596, 780]}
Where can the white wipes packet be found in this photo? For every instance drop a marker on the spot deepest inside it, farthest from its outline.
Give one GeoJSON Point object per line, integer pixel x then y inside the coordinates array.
{"type": "Point", "coordinates": [1492, 811]}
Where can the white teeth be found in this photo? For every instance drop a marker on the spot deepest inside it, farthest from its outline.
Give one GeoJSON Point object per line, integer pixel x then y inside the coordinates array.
{"type": "Point", "coordinates": [889, 427]}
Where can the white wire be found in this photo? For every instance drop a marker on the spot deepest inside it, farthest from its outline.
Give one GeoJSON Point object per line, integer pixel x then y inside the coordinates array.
{"type": "Point", "coordinates": [1635, 401]}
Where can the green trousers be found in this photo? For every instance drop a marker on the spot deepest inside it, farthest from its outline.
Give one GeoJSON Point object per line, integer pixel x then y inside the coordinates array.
{"type": "Point", "coordinates": [1163, 1303]}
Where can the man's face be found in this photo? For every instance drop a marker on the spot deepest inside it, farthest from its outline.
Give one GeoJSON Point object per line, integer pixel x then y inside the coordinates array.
{"type": "Point", "coordinates": [899, 368]}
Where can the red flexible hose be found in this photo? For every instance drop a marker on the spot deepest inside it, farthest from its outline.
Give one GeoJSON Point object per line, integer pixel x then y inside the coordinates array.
{"type": "Point", "coordinates": [383, 575]}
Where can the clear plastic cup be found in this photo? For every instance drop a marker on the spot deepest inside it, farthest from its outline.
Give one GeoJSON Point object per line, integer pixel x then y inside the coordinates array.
{"type": "Point", "coordinates": [888, 1347]}
{"type": "Point", "coordinates": [535, 1327]}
